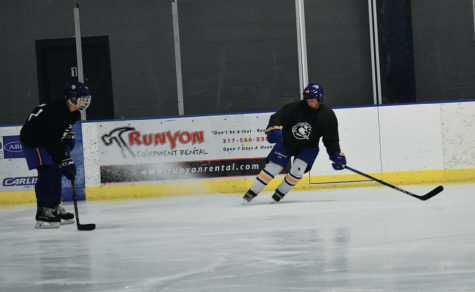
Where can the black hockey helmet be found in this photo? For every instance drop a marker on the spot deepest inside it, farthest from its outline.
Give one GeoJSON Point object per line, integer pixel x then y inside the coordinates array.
{"type": "Point", "coordinates": [80, 92]}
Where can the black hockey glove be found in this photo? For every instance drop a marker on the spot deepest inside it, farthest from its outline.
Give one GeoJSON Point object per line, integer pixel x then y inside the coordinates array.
{"type": "Point", "coordinates": [339, 159]}
{"type": "Point", "coordinates": [274, 134]}
{"type": "Point", "coordinates": [68, 141]}
{"type": "Point", "coordinates": [68, 168]}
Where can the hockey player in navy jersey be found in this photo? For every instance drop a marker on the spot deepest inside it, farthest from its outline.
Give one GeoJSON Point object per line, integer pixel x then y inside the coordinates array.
{"type": "Point", "coordinates": [296, 130]}
{"type": "Point", "coordinates": [46, 138]}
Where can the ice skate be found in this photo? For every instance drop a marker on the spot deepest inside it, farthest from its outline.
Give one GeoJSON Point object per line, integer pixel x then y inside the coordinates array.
{"type": "Point", "coordinates": [66, 217]}
{"type": "Point", "coordinates": [248, 197]}
{"type": "Point", "coordinates": [277, 196]}
{"type": "Point", "coordinates": [45, 219]}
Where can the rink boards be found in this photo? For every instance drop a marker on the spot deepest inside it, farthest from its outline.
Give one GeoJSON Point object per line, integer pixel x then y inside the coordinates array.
{"type": "Point", "coordinates": [429, 143]}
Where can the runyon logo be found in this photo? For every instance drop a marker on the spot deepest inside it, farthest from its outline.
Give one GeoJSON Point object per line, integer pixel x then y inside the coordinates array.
{"type": "Point", "coordinates": [183, 137]}
{"type": "Point", "coordinates": [134, 137]}
{"type": "Point", "coordinates": [115, 136]}
{"type": "Point", "coordinates": [13, 147]}
{"type": "Point", "coordinates": [19, 181]}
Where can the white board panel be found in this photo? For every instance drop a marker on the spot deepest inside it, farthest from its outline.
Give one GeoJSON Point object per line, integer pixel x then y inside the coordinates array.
{"type": "Point", "coordinates": [91, 154]}
{"type": "Point", "coordinates": [458, 132]}
{"type": "Point", "coordinates": [182, 148]}
{"type": "Point", "coordinates": [359, 140]}
{"type": "Point", "coordinates": [411, 137]}
{"type": "Point", "coordinates": [183, 139]}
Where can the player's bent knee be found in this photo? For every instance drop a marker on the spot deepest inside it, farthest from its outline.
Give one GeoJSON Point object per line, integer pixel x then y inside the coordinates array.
{"type": "Point", "coordinates": [298, 168]}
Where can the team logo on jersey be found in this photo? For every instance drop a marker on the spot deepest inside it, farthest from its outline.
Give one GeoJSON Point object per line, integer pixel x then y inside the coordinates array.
{"type": "Point", "coordinates": [302, 131]}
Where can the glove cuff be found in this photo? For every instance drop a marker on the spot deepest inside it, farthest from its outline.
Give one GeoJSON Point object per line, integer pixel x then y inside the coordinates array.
{"type": "Point", "coordinates": [67, 161]}
{"type": "Point", "coordinates": [336, 155]}
{"type": "Point", "coordinates": [273, 127]}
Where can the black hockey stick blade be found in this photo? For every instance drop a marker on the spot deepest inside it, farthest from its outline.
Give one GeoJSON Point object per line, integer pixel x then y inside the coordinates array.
{"type": "Point", "coordinates": [423, 198]}
{"type": "Point", "coordinates": [86, 227]}
{"type": "Point", "coordinates": [431, 193]}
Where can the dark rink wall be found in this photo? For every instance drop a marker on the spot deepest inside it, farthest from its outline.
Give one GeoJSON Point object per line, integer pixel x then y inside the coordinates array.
{"type": "Point", "coordinates": [236, 55]}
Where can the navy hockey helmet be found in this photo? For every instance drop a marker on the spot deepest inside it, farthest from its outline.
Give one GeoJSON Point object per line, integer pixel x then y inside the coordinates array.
{"type": "Point", "coordinates": [80, 92]}
{"type": "Point", "coordinates": [313, 90]}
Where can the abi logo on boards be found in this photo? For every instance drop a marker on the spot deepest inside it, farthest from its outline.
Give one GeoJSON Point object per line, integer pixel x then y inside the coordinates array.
{"type": "Point", "coordinates": [10, 147]}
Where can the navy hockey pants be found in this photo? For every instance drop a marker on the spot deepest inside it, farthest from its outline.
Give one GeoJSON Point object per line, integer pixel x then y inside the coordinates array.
{"type": "Point", "coordinates": [48, 185]}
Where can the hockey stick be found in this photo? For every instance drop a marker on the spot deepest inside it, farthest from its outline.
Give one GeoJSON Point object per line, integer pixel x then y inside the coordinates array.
{"type": "Point", "coordinates": [423, 198]}
{"type": "Point", "coordinates": [85, 227]}
{"type": "Point", "coordinates": [82, 227]}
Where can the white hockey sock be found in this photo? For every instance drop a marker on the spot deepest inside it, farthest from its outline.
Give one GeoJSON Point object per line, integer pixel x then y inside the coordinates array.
{"type": "Point", "coordinates": [293, 177]}
{"type": "Point", "coordinates": [267, 174]}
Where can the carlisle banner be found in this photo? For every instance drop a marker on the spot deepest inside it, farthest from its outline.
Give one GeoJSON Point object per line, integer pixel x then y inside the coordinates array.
{"type": "Point", "coordinates": [183, 148]}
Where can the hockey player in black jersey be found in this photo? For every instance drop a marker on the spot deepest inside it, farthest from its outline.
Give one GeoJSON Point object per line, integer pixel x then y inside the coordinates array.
{"type": "Point", "coordinates": [296, 130]}
{"type": "Point", "coordinates": [46, 138]}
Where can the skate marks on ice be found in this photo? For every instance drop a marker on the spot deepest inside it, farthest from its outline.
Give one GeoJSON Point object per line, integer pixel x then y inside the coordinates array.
{"type": "Point", "coordinates": [361, 239]}
{"type": "Point", "coordinates": [284, 202]}
{"type": "Point", "coordinates": [317, 196]}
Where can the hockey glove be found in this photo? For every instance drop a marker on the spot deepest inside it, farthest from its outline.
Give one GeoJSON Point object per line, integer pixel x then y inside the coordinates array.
{"type": "Point", "coordinates": [68, 141]}
{"type": "Point", "coordinates": [274, 134]}
{"type": "Point", "coordinates": [339, 159]}
{"type": "Point", "coordinates": [68, 168]}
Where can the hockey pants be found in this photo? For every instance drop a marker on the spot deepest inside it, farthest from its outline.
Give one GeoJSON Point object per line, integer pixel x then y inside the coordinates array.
{"type": "Point", "coordinates": [48, 185]}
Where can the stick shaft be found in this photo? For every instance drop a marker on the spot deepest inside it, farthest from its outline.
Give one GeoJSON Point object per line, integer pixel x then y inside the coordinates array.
{"type": "Point", "coordinates": [75, 202]}
{"type": "Point", "coordinates": [370, 177]}
{"type": "Point", "coordinates": [381, 182]}
{"type": "Point", "coordinates": [75, 199]}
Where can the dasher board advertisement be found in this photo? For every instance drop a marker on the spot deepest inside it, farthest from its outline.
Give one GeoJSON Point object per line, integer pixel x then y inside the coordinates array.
{"type": "Point", "coordinates": [14, 173]}
{"type": "Point", "coordinates": [183, 148]}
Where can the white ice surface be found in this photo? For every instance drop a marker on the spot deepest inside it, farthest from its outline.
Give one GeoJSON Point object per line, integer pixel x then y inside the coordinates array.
{"type": "Point", "coordinates": [359, 239]}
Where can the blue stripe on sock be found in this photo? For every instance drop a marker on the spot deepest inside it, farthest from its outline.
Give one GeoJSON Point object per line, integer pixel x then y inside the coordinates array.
{"type": "Point", "coordinates": [261, 181]}
{"type": "Point", "coordinates": [290, 184]}
{"type": "Point", "coordinates": [270, 175]}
